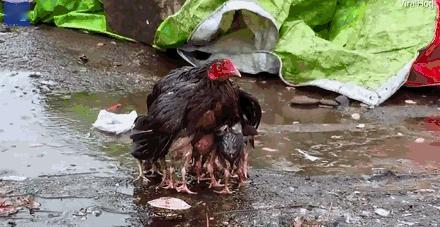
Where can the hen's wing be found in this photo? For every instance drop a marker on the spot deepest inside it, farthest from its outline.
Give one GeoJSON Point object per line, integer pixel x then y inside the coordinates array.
{"type": "Point", "coordinates": [166, 83]}
{"type": "Point", "coordinates": [250, 109]}
{"type": "Point", "coordinates": [166, 111]}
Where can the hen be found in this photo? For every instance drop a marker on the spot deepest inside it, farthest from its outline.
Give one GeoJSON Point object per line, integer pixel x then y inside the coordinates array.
{"type": "Point", "coordinates": [184, 107]}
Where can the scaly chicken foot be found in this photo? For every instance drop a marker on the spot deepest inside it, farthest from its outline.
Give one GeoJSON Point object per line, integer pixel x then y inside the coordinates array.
{"type": "Point", "coordinates": [141, 175]}
{"type": "Point", "coordinates": [211, 167]}
{"type": "Point", "coordinates": [184, 184]}
{"type": "Point", "coordinates": [227, 175]}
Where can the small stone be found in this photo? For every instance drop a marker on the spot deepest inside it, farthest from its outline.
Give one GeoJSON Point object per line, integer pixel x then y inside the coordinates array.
{"type": "Point", "coordinates": [408, 101]}
{"type": "Point", "coordinates": [97, 213]}
{"type": "Point", "coordinates": [83, 58]}
{"type": "Point", "coordinates": [382, 212]}
{"type": "Point", "coordinates": [325, 106]}
{"type": "Point", "coordinates": [100, 44]}
{"type": "Point", "coordinates": [365, 213]}
{"type": "Point", "coordinates": [66, 97]}
{"type": "Point", "coordinates": [329, 102]}
{"type": "Point", "coordinates": [35, 75]}
{"type": "Point", "coordinates": [356, 116]}
{"type": "Point", "coordinates": [419, 140]}
{"type": "Point", "coordinates": [304, 100]}
{"type": "Point", "coordinates": [360, 126]}
{"type": "Point", "coordinates": [211, 218]}
{"type": "Point", "coordinates": [343, 100]}
{"type": "Point", "coordinates": [113, 42]}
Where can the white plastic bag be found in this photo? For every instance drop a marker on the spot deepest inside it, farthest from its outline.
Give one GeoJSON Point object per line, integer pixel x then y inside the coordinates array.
{"type": "Point", "coordinates": [115, 123]}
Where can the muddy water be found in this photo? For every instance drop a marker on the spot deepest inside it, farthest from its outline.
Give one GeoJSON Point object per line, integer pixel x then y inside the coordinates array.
{"type": "Point", "coordinates": [399, 136]}
{"type": "Point", "coordinates": [43, 134]}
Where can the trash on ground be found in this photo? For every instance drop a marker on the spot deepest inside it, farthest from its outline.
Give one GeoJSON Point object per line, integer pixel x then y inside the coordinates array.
{"type": "Point", "coordinates": [419, 140]}
{"type": "Point", "coordinates": [382, 212]}
{"type": "Point", "coordinates": [269, 149]}
{"type": "Point", "coordinates": [13, 178]}
{"type": "Point", "coordinates": [356, 116]}
{"type": "Point", "coordinates": [307, 156]}
{"type": "Point", "coordinates": [408, 101]}
{"type": "Point", "coordinates": [114, 123]}
{"type": "Point", "coordinates": [360, 126]}
{"type": "Point", "coordinates": [169, 203]}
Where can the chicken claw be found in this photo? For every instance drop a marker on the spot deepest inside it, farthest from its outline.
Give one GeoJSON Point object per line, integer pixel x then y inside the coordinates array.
{"type": "Point", "coordinates": [141, 175]}
{"type": "Point", "coordinates": [225, 191]}
{"type": "Point", "coordinates": [184, 188]}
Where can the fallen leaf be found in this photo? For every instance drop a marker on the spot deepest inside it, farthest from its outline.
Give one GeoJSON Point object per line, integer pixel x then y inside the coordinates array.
{"type": "Point", "coordinates": [169, 203]}
{"type": "Point", "coordinates": [408, 101]}
{"type": "Point", "coordinates": [7, 207]}
{"type": "Point", "coordinates": [10, 206]}
{"type": "Point", "coordinates": [269, 149]}
{"type": "Point", "coordinates": [307, 156]}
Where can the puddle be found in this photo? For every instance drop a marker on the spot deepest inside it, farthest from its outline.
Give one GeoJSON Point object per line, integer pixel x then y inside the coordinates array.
{"type": "Point", "coordinates": [35, 141]}
{"type": "Point", "coordinates": [51, 134]}
{"type": "Point", "coordinates": [78, 212]}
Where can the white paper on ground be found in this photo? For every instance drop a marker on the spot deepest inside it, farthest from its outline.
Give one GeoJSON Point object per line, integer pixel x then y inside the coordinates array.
{"type": "Point", "coordinates": [115, 123]}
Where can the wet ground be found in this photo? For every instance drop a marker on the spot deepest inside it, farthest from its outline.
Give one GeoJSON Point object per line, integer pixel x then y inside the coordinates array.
{"type": "Point", "coordinates": [310, 162]}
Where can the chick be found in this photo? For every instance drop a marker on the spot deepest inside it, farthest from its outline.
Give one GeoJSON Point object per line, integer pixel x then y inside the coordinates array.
{"type": "Point", "coordinates": [230, 150]}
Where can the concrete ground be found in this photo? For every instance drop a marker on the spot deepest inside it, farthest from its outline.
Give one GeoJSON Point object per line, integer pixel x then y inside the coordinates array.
{"type": "Point", "coordinates": [380, 170]}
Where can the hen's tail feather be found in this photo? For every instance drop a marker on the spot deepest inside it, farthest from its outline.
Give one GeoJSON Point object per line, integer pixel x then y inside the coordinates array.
{"type": "Point", "coordinates": [137, 136]}
{"type": "Point", "coordinates": [150, 145]}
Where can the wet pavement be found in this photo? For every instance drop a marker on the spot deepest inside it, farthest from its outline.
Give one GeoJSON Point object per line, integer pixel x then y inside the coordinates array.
{"type": "Point", "coordinates": [318, 163]}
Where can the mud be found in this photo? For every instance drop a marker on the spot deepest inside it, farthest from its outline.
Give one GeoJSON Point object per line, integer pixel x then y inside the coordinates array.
{"type": "Point", "coordinates": [49, 98]}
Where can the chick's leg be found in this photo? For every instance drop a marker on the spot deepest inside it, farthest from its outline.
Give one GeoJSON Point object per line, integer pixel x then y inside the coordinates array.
{"type": "Point", "coordinates": [211, 168]}
{"type": "Point", "coordinates": [198, 166]}
{"type": "Point", "coordinates": [187, 161]}
{"type": "Point", "coordinates": [227, 175]}
{"type": "Point", "coordinates": [168, 182]}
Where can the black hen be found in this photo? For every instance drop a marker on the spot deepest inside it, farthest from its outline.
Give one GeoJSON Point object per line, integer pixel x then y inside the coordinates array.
{"type": "Point", "coordinates": [183, 107]}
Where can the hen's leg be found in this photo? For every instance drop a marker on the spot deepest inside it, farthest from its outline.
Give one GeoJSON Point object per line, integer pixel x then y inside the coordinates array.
{"type": "Point", "coordinates": [245, 163]}
{"type": "Point", "coordinates": [141, 172]}
{"type": "Point", "coordinates": [187, 160]}
{"type": "Point", "coordinates": [226, 177]}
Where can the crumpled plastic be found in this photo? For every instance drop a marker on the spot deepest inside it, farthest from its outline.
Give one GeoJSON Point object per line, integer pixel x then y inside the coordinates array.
{"type": "Point", "coordinates": [115, 123]}
{"type": "Point", "coordinates": [361, 49]}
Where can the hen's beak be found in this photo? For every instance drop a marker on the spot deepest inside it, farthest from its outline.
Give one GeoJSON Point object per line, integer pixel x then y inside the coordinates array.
{"type": "Point", "coordinates": [237, 73]}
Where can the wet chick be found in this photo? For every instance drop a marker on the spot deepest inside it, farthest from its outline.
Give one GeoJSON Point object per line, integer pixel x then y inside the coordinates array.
{"type": "Point", "coordinates": [230, 145]}
{"type": "Point", "coordinates": [202, 151]}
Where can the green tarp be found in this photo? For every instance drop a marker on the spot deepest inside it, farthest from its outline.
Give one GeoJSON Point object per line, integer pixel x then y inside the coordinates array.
{"type": "Point", "coordinates": [359, 48]}
{"type": "Point", "coordinates": [79, 14]}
